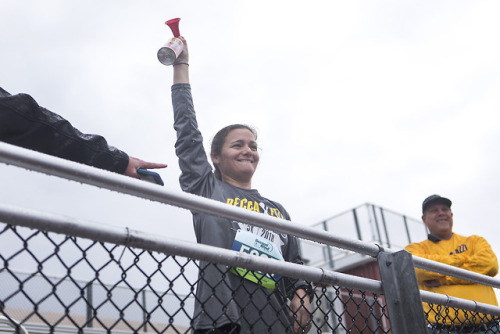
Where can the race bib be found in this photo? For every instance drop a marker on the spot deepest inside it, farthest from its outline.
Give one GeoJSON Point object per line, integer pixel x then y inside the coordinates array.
{"type": "Point", "coordinates": [249, 243]}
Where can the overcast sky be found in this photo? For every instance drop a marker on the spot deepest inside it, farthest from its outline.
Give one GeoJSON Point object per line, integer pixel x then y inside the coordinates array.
{"type": "Point", "coordinates": [384, 102]}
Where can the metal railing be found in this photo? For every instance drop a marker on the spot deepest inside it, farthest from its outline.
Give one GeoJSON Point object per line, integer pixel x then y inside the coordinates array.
{"type": "Point", "coordinates": [368, 223]}
{"type": "Point", "coordinates": [342, 303]}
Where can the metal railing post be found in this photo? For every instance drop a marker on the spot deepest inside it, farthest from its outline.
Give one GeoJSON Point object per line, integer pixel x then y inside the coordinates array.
{"type": "Point", "coordinates": [402, 295]}
{"type": "Point", "coordinates": [407, 229]}
{"type": "Point", "coordinates": [385, 227]}
{"type": "Point", "coordinates": [89, 304]}
{"type": "Point", "coordinates": [144, 312]}
{"type": "Point", "coordinates": [356, 222]}
{"type": "Point", "coordinates": [328, 248]}
{"type": "Point", "coordinates": [376, 224]}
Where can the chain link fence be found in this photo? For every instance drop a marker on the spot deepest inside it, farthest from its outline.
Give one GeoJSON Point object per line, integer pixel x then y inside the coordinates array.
{"type": "Point", "coordinates": [54, 283]}
{"type": "Point", "coordinates": [453, 319]}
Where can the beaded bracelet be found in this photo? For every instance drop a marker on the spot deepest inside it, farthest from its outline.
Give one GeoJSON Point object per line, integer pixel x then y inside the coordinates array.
{"type": "Point", "coordinates": [180, 63]}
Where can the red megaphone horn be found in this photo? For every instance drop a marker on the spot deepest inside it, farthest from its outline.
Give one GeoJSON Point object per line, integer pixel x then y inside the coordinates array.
{"type": "Point", "coordinates": [174, 26]}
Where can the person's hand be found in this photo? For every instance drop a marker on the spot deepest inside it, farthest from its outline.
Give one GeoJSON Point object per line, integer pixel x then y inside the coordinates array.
{"type": "Point", "coordinates": [181, 65]}
{"type": "Point", "coordinates": [432, 283]}
{"type": "Point", "coordinates": [300, 312]}
{"type": "Point", "coordinates": [134, 164]}
{"type": "Point", "coordinates": [184, 56]}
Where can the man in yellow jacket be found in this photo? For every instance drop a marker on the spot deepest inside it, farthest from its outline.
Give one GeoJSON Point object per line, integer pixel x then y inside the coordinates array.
{"type": "Point", "coordinates": [471, 253]}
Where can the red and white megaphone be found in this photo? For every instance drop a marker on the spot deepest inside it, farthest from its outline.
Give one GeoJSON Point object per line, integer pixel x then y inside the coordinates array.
{"type": "Point", "coordinates": [173, 48]}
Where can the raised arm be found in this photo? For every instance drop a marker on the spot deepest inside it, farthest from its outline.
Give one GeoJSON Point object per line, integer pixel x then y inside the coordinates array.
{"type": "Point", "coordinates": [181, 65]}
{"type": "Point", "coordinates": [197, 176]}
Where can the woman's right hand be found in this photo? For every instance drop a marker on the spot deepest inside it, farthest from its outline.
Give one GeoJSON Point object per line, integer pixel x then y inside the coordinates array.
{"type": "Point", "coordinates": [181, 65]}
{"type": "Point", "coordinates": [184, 56]}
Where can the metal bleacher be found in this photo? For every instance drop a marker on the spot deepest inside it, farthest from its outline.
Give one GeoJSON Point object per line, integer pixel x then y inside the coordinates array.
{"type": "Point", "coordinates": [368, 223]}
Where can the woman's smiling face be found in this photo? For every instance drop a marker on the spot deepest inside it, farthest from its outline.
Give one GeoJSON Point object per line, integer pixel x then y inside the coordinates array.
{"type": "Point", "coordinates": [239, 158]}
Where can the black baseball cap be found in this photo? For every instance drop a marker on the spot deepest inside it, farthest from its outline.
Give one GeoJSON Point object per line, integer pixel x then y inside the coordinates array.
{"type": "Point", "coordinates": [435, 199]}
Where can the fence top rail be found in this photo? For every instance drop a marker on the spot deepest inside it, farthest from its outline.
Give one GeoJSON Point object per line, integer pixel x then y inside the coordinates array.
{"type": "Point", "coordinates": [70, 170]}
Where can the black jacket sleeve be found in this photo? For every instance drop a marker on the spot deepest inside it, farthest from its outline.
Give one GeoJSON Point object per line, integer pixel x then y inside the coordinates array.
{"type": "Point", "coordinates": [24, 123]}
